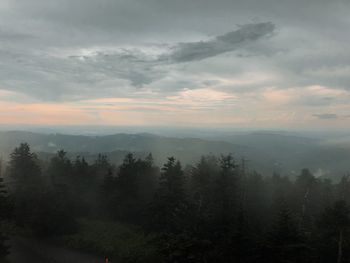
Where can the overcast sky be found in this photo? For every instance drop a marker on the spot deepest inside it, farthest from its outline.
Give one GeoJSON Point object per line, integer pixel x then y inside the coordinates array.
{"type": "Point", "coordinates": [198, 63]}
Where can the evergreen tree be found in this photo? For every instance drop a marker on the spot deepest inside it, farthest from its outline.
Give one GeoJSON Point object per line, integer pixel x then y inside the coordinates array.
{"type": "Point", "coordinates": [285, 241]}
{"type": "Point", "coordinates": [305, 184]}
{"type": "Point", "coordinates": [26, 183]}
{"type": "Point", "coordinates": [170, 204]}
{"type": "Point", "coordinates": [107, 195]}
{"type": "Point", "coordinates": [60, 171]}
{"type": "Point", "coordinates": [4, 214]}
{"type": "Point", "coordinates": [101, 167]}
{"type": "Point", "coordinates": [24, 170]}
{"type": "Point", "coordinates": [335, 225]}
{"type": "Point", "coordinates": [134, 188]}
{"type": "Point", "coordinates": [203, 176]}
{"type": "Point", "coordinates": [226, 195]}
{"type": "Point", "coordinates": [54, 214]}
{"type": "Point", "coordinates": [147, 181]}
{"type": "Point", "coordinates": [127, 189]}
{"type": "Point", "coordinates": [85, 186]}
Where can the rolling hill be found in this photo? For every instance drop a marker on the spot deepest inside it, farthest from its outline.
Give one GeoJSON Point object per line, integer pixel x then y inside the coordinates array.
{"type": "Point", "coordinates": [265, 152]}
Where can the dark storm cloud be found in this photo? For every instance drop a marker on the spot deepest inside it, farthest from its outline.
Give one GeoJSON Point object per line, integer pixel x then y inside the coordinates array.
{"type": "Point", "coordinates": [194, 51]}
{"type": "Point", "coordinates": [326, 116]}
{"type": "Point", "coordinates": [141, 68]}
{"type": "Point", "coordinates": [50, 76]}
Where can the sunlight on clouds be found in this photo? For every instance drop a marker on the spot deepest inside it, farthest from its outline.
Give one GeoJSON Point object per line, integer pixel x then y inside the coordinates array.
{"type": "Point", "coordinates": [201, 95]}
{"type": "Point", "coordinates": [306, 95]}
{"type": "Point", "coordinates": [325, 91]}
{"type": "Point", "coordinates": [269, 106]}
{"type": "Point", "coordinates": [43, 114]}
{"type": "Point", "coordinates": [278, 96]}
{"type": "Point", "coordinates": [251, 78]}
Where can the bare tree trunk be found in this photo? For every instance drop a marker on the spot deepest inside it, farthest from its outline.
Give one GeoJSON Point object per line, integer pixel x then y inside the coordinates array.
{"type": "Point", "coordinates": [340, 246]}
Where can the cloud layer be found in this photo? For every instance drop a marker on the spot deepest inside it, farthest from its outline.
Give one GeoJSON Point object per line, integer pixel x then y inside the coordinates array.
{"type": "Point", "coordinates": [266, 63]}
{"type": "Point", "coordinates": [195, 51]}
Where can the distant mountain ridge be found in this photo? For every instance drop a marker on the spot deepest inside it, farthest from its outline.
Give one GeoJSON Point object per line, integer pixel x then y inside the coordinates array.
{"type": "Point", "coordinates": [104, 143]}
{"type": "Point", "coordinates": [265, 152]}
{"type": "Point", "coordinates": [187, 149]}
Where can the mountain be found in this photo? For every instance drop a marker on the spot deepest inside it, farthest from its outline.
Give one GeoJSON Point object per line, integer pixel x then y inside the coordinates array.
{"type": "Point", "coordinates": [186, 149]}
{"type": "Point", "coordinates": [265, 152]}
{"type": "Point", "coordinates": [288, 154]}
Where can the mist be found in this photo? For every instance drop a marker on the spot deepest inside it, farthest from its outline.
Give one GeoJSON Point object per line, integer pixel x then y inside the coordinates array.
{"type": "Point", "coordinates": [174, 131]}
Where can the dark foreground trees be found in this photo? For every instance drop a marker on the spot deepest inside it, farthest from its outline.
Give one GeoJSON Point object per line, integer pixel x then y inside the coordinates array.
{"type": "Point", "coordinates": [334, 233]}
{"type": "Point", "coordinates": [5, 211]}
{"type": "Point", "coordinates": [216, 210]}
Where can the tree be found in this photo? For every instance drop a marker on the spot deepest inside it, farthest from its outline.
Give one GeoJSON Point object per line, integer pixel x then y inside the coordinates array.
{"type": "Point", "coordinates": [147, 181]}
{"type": "Point", "coordinates": [127, 197]}
{"type": "Point", "coordinates": [131, 191]}
{"type": "Point", "coordinates": [101, 167]}
{"type": "Point", "coordinates": [202, 179]}
{"type": "Point", "coordinates": [169, 206]}
{"type": "Point", "coordinates": [60, 171]}
{"type": "Point", "coordinates": [226, 194]}
{"type": "Point", "coordinates": [285, 241]}
{"type": "Point", "coordinates": [335, 223]}
{"type": "Point", "coordinates": [24, 170]}
{"type": "Point", "coordinates": [26, 182]}
{"type": "Point", "coordinates": [53, 215]}
{"type": "Point", "coordinates": [107, 195]}
{"type": "Point", "coordinates": [305, 183]}
{"type": "Point", "coordinates": [4, 214]}
{"type": "Point", "coordinates": [84, 185]}
{"type": "Point", "coordinates": [127, 189]}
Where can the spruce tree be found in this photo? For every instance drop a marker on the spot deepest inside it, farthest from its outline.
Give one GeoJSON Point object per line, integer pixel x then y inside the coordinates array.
{"type": "Point", "coordinates": [334, 228]}
{"type": "Point", "coordinates": [4, 214]}
{"type": "Point", "coordinates": [170, 203]}
{"type": "Point", "coordinates": [24, 170]}
{"type": "Point", "coordinates": [285, 241]}
{"type": "Point", "coordinates": [26, 182]}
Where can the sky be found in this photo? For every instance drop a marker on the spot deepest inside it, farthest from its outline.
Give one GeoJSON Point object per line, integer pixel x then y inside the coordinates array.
{"type": "Point", "coordinates": [200, 63]}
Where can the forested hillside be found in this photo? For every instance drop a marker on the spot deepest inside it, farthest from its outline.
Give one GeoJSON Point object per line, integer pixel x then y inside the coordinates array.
{"type": "Point", "coordinates": [266, 152]}
{"type": "Point", "coordinates": [217, 209]}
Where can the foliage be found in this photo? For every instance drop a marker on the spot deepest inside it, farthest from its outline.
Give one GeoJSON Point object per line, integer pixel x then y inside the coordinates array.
{"type": "Point", "coordinates": [216, 210]}
{"type": "Point", "coordinates": [119, 242]}
{"type": "Point", "coordinates": [5, 210]}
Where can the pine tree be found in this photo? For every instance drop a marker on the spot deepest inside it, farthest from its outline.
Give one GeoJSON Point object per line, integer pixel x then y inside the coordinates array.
{"type": "Point", "coordinates": [226, 196]}
{"type": "Point", "coordinates": [335, 225]}
{"type": "Point", "coordinates": [24, 170]}
{"type": "Point", "coordinates": [285, 241]}
{"type": "Point", "coordinates": [26, 182]}
{"type": "Point", "coordinates": [127, 194]}
{"type": "Point", "coordinates": [202, 179]}
{"type": "Point", "coordinates": [60, 171]}
{"type": "Point", "coordinates": [169, 207]}
{"type": "Point", "coordinates": [4, 214]}
{"type": "Point", "coordinates": [107, 195]}
{"type": "Point", "coordinates": [134, 188]}
{"type": "Point", "coordinates": [101, 167]}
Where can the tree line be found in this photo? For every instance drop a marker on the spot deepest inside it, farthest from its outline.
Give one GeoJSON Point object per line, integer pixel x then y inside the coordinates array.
{"type": "Point", "coordinates": [214, 210]}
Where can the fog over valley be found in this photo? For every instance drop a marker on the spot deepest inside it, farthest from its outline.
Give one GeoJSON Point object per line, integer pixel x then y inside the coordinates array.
{"type": "Point", "coordinates": [266, 151]}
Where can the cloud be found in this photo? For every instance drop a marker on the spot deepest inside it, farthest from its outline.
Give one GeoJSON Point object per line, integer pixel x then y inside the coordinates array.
{"type": "Point", "coordinates": [326, 116]}
{"type": "Point", "coordinates": [55, 74]}
{"type": "Point", "coordinates": [195, 51]}
{"type": "Point", "coordinates": [143, 66]}
{"type": "Point", "coordinates": [68, 51]}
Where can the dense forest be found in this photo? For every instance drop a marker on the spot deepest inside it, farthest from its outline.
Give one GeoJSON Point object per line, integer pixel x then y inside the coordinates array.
{"type": "Point", "coordinates": [216, 210]}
